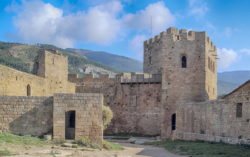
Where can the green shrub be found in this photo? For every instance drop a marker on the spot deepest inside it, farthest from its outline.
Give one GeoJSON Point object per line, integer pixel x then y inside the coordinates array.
{"type": "Point", "coordinates": [107, 116]}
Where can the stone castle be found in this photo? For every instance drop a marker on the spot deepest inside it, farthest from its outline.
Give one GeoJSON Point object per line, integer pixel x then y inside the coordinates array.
{"type": "Point", "coordinates": [175, 97]}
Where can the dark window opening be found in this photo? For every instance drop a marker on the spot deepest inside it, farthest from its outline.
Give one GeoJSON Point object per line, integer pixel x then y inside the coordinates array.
{"type": "Point", "coordinates": [239, 110]}
{"type": "Point", "coordinates": [183, 61]}
{"type": "Point", "coordinates": [173, 119]}
{"type": "Point", "coordinates": [150, 59]}
{"type": "Point", "coordinates": [28, 90]}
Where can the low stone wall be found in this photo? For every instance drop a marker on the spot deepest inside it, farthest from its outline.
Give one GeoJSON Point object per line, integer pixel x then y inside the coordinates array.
{"type": "Point", "coordinates": [214, 121]}
{"type": "Point", "coordinates": [26, 115]}
{"type": "Point", "coordinates": [88, 115]}
{"type": "Point", "coordinates": [211, 138]}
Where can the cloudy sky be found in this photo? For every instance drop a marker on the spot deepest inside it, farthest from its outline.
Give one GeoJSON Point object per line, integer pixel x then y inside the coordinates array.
{"type": "Point", "coordinates": [120, 26]}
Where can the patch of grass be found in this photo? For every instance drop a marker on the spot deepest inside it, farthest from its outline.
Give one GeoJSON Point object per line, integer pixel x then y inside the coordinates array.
{"type": "Point", "coordinates": [5, 152]}
{"type": "Point", "coordinates": [204, 149]}
{"type": "Point", "coordinates": [111, 146]}
{"type": "Point", "coordinates": [21, 140]}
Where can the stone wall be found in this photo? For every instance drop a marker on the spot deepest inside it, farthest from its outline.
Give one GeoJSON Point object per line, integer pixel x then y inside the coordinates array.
{"type": "Point", "coordinates": [216, 120]}
{"type": "Point", "coordinates": [136, 108]}
{"type": "Point", "coordinates": [26, 115]}
{"type": "Point", "coordinates": [134, 99]}
{"type": "Point", "coordinates": [88, 115]}
{"type": "Point", "coordinates": [15, 83]}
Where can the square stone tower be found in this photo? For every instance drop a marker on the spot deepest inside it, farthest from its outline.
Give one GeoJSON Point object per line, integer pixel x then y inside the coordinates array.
{"type": "Point", "coordinates": [52, 65]}
{"type": "Point", "coordinates": [187, 62]}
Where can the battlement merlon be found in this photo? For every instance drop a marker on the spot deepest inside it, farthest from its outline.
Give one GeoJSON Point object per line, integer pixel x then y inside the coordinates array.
{"type": "Point", "coordinates": [72, 77]}
{"type": "Point", "coordinates": [138, 78]}
{"type": "Point", "coordinates": [182, 34]}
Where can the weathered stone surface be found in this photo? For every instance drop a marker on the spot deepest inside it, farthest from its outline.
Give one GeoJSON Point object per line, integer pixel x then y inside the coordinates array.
{"type": "Point", "coordinates": [135, 100]}
{"type": "Point", "coordinates": [26, 115]}
{"type": "Point", "coordinates": [52, 77]}
{"type": "Point", "coordinates": [216, 120]}
{"type": "Point", "coordinates": [88, 118]}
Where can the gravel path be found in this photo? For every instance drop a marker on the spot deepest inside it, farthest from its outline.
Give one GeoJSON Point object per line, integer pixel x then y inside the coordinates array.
{"type": "Point", "coordinates": [130, 150]}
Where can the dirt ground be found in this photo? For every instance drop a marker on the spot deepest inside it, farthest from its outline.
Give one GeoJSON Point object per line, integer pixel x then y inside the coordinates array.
{"type": "Point", "coordinates": [130, 150]}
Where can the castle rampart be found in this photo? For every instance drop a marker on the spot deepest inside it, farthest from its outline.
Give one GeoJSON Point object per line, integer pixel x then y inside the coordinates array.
{"type": "Point", "coordinates": [17, 83]}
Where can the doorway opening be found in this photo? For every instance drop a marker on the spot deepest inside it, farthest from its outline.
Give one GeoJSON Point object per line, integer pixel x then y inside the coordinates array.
{"type": "Point", "coordinates": [70, 122]}
{"type": "Point", "coordinates": [173, 119]}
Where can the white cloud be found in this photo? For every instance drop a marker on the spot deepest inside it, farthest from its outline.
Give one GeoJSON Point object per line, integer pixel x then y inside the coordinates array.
{"type": "Point", "coordinates": [136, 44]}
{"type": "Point", "coordinates": [245, 51]}
{"type": "Point", "coordinates": [156, 15]}
{"type": "Point", "coordinates": [40, 22]}
{"type": "Point", "coordinates": [197, 7]}
{"type": "Point", "coordinates": [37, 21]}
{"type": "Point", "coordinates": [226, 57]}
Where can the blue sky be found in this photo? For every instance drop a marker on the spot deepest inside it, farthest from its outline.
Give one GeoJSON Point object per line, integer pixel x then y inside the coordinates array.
{"type": "Point", "coordinates": [120, 26]}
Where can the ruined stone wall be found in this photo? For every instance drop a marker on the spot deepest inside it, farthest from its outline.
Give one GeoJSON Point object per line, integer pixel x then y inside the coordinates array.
{"type": "Point", "coordinates": [88, 108]}
{"type": "Point", "coordinates": [136, 108]}
{"type": "Point", "coordinates": [134, 99]}
{"type": "Point", "coordinates": [216, 120]}
{"type": "Point", "coordinates": [26, 115]}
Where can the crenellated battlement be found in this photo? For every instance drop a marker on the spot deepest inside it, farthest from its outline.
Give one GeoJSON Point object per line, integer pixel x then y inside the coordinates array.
{"type": "Point", "coordinates": [178, 34]}
{"type": "Point", "coordinates": [138, 78]}
{"type": "Point", "coordinates": [210, 44]}
{"type": "Point", "coordinates": [72, 77]}
{"type": "Point", "coordinates": [173, 33]}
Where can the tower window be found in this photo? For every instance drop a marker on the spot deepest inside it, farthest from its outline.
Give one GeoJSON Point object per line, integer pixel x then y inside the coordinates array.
{"type": "Point", "coordinates": [239, 110]}
{"type": "Point", "coordinates": [183, 61]}
{"type": "Point", "coordinates": [150, 60]}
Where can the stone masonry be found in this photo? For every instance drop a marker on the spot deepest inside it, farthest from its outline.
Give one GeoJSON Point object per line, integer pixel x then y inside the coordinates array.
{"type": "Point", "coordinates": [175, 96]}
{"type": "Point", "coordinates": [88, 115]}
{"type": "Point", "coordinates": [180, 105]}
{"type": "Point", "coordinates": [26, 115]}
{"type": "Point", "coordinates": [181, 57]}
{"type": "Point", "coordinates": [51, 76]}
{"type": "Point", "coordinates": [134, 98]}
{"type": "Point", "coordinates": [226, 120]}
